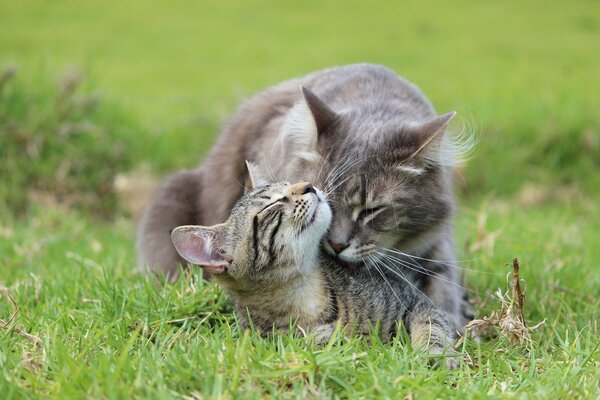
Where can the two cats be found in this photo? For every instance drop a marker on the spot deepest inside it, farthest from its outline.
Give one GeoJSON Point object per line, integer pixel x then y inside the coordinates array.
{"type": "Point", "coordinates": [375, 145]}
{"type": "Point", "coordinates": [266, 256]}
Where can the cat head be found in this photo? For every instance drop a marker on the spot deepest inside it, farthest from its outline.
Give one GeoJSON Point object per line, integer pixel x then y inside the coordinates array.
{"type": "Point", "coordinates": [387, 180]}
{"type": "Point", "coordinates": [273, 231]}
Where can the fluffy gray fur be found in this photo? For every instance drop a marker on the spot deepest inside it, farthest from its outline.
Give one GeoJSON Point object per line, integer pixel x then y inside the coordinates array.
{"type": "Point", "coordinates": [375, 145]}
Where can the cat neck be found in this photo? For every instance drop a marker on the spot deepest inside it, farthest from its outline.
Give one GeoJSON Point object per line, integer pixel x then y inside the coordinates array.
{"type": "Point", "coordinates": [304, 297]}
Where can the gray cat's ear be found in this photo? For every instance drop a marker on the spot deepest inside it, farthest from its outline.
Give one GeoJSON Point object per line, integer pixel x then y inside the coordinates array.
{"type": "Point", "coordinates": [253, 178]}
{"type": "Point", "coordinates": [305, 121]}
{"type": "Point", "coordinates": [204, 246]}
{"type": "Point", "coordinates": [323, 116]}
{"type": "Point", "coordinates": [430, 135]}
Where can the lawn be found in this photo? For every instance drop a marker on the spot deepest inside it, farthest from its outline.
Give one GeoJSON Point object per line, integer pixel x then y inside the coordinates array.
{"type": "Point", "coordinates": [152, 84]}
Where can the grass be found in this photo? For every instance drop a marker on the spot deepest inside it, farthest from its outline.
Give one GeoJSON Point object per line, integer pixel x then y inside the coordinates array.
{"type": "Point", "coordinates": [54, 139]}
{"type": "Point", "coordinates": [166, 76]}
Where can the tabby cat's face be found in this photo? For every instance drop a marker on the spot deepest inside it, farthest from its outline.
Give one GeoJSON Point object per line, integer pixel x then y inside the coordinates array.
{"type": "Point", "coordinates": [279, 226]}
{"type": "Point", "coordinates": [273, 232]}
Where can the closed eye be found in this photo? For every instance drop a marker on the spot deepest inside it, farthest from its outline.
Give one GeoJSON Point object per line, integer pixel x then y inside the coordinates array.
{"type": "Point", "coordinates": [368, 213]}
{"type": "Point", "coordinates": [277, 202]}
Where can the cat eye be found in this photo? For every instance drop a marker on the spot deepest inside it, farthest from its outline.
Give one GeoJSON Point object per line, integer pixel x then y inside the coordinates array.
{"type": "Point", "coordinates": [279, 201]}
{"type": "Point", "coordinates": [368, 212]}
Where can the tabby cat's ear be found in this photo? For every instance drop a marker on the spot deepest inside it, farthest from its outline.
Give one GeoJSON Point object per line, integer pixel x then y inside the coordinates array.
{"type": "Point", "coordinates": [430, 137]}
{"type": "Point", "coordinates": [201, 245]}
{"type": "Point", "coordinates": [321, 113]}
{"type": "Point", "coordinates": [254, 177]}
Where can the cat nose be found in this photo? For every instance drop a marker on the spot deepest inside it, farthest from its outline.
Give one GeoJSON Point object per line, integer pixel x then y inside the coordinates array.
{"type": "Point", "coordinates": [309, 189]}
{"type": "Point", "coordinates": [337, 247]}
{"type": "Point", "coordinates": [300, 188]}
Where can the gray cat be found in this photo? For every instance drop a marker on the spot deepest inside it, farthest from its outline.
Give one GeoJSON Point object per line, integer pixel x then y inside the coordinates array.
{"type": "Point", "coordinates": [266, 256]}
{"type": "Point", "coordinates": [375, 145]}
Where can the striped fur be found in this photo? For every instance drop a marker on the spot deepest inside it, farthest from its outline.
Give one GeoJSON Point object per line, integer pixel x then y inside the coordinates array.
{"type": "Point", "coordinates": [277, 275]}
{"type": "Point", "coordinates": [376, 146]}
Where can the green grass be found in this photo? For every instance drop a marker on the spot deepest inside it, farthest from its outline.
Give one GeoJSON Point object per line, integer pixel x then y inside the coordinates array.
{"type": "Point", "coordinates": [521, 74]}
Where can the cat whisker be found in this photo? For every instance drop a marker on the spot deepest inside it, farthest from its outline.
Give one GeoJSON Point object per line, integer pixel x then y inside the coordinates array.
{"type": "Point", "coordinates": [404, 278]}
{"type": "Point", "coordinates": [333, 183]}
{"type": "Point", "coordinates": [345, 165]}
{"type": "Point", "coordinates": [412, 265]}
{"type": "Point", "coordinates": [422, 270]}
{"type": "Point", "coordinates": [372, 260]}
{"type": "Point", "coordinates": [269, 170]}
{"type": "Point", "coordinates": [334, 174]}
{"type": "Point", "coordinates": [323, 162]}
{"type": "Point", "coordinates": [331, 190]}
{"type": "Point", "coordinates": [369, 271]}
{"type": "Point", "coordinates": [449, 264]}
{"type": "Point", "coordinates": [333, 171]}
{"type": "Point", "coordinates": [393, 204]}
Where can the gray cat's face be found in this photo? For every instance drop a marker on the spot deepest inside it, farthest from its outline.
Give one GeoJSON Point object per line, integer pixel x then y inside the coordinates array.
{"type": "Point", "coordinates": [273, 232]}
{"type": "Point", "coordinates": [377, 207]}
{"type": "Point", "coordinates": [385, 184]}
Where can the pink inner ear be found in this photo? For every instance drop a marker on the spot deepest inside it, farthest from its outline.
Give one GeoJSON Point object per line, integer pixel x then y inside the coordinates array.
{"type": "Point", "coordinates": [192, 248]}
{"type": "Point", "coordinates": [195, 248]}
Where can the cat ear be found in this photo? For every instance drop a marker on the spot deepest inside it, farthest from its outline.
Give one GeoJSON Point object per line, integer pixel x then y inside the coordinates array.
{"type": "Point", "coordinates": [430, 136]}
{"type": "Point", "coordinates": [201, 245]}
{"type": "Point", "coordinates": [305, 121]}
{"type": "Point", "coordinates": [321, 113]}
{"type": "Point", "coordinates": [254, 177]}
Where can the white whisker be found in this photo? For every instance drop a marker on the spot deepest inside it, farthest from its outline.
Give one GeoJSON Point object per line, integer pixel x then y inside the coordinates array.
{"type": "Point", "coordinates": [388, 283]}
{"type": "Point", "coordinates": [445, 263]}
{"type": "Point", "coordinates": [422, 270]}
{"type": "Point", "coordinates": [404, 278]}
{"type": "Point", "coordinates": [341, 169]}
{"type": "Point", "coordinates": [323, 162]}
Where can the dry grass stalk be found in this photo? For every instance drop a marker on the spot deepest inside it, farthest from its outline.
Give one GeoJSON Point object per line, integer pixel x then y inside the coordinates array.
{"type": "Point", "coordinates": [484, 239]}
{"type": "Point", "coordinates": [510, 319]}
{"type": "Point", "coordinates": [31, 359]}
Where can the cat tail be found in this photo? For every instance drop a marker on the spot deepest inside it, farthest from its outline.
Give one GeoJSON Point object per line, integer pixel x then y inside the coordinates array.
{"type": "Point", "coordinates": [173, 204]}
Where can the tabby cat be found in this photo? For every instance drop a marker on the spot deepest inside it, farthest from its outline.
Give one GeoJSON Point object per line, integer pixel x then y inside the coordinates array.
{"type": "Point", "coordinates": [372, 141]}
{"type": "Point", "coordinates": [266, 256]}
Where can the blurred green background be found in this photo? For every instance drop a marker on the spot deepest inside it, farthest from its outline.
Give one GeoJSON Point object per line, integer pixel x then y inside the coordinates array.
{"type": "Point", "coordinates": [523, 75]}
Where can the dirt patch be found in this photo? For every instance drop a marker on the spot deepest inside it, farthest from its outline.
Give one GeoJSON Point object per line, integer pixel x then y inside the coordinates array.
{"type": "Point", "coordinates": [135, 188]}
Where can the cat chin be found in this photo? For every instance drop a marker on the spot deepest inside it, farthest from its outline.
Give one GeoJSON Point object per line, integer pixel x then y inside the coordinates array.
{"type": "Point", "coordinates": [320, 220]}
{"type": "Point", "coordinates": [352, 266]}
{"type": "Point", "coordinates": [323, 218]}
{"type": "Point", "coordinates": [213, 269]}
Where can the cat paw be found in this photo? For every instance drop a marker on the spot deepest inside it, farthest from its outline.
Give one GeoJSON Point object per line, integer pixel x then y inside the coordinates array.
{"type": "Point", "coordinates": [452, 361]}
{"type": "Point", "coordinates": [465, 314]}
{"type": "Point", "coordinates": [448, 357]}
{"type": "Point", "coordinates": [467, 310]}
{"type": "Point", "coordinates": [322, 334]}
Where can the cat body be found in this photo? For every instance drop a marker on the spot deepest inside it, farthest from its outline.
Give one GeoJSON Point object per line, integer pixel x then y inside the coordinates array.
{"type": "Point", "coordinates": [375, 145]}
{"type": "Point", "coordinates": [266, 256]}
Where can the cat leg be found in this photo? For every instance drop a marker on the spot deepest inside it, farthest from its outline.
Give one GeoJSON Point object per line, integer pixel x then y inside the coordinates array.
{"type": "Point", "coordinates": [430, 331]}
{"type": "Point", "coordinates": [322, 333]}
{"type": "Point", "coordinates": [467, 312]}
{"type": "Point", "coordinates": [448, 298]}
{"type": "Point", "coordinates": [441, 282]}
{"type": "Point", "coordinates": [174, 204]}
